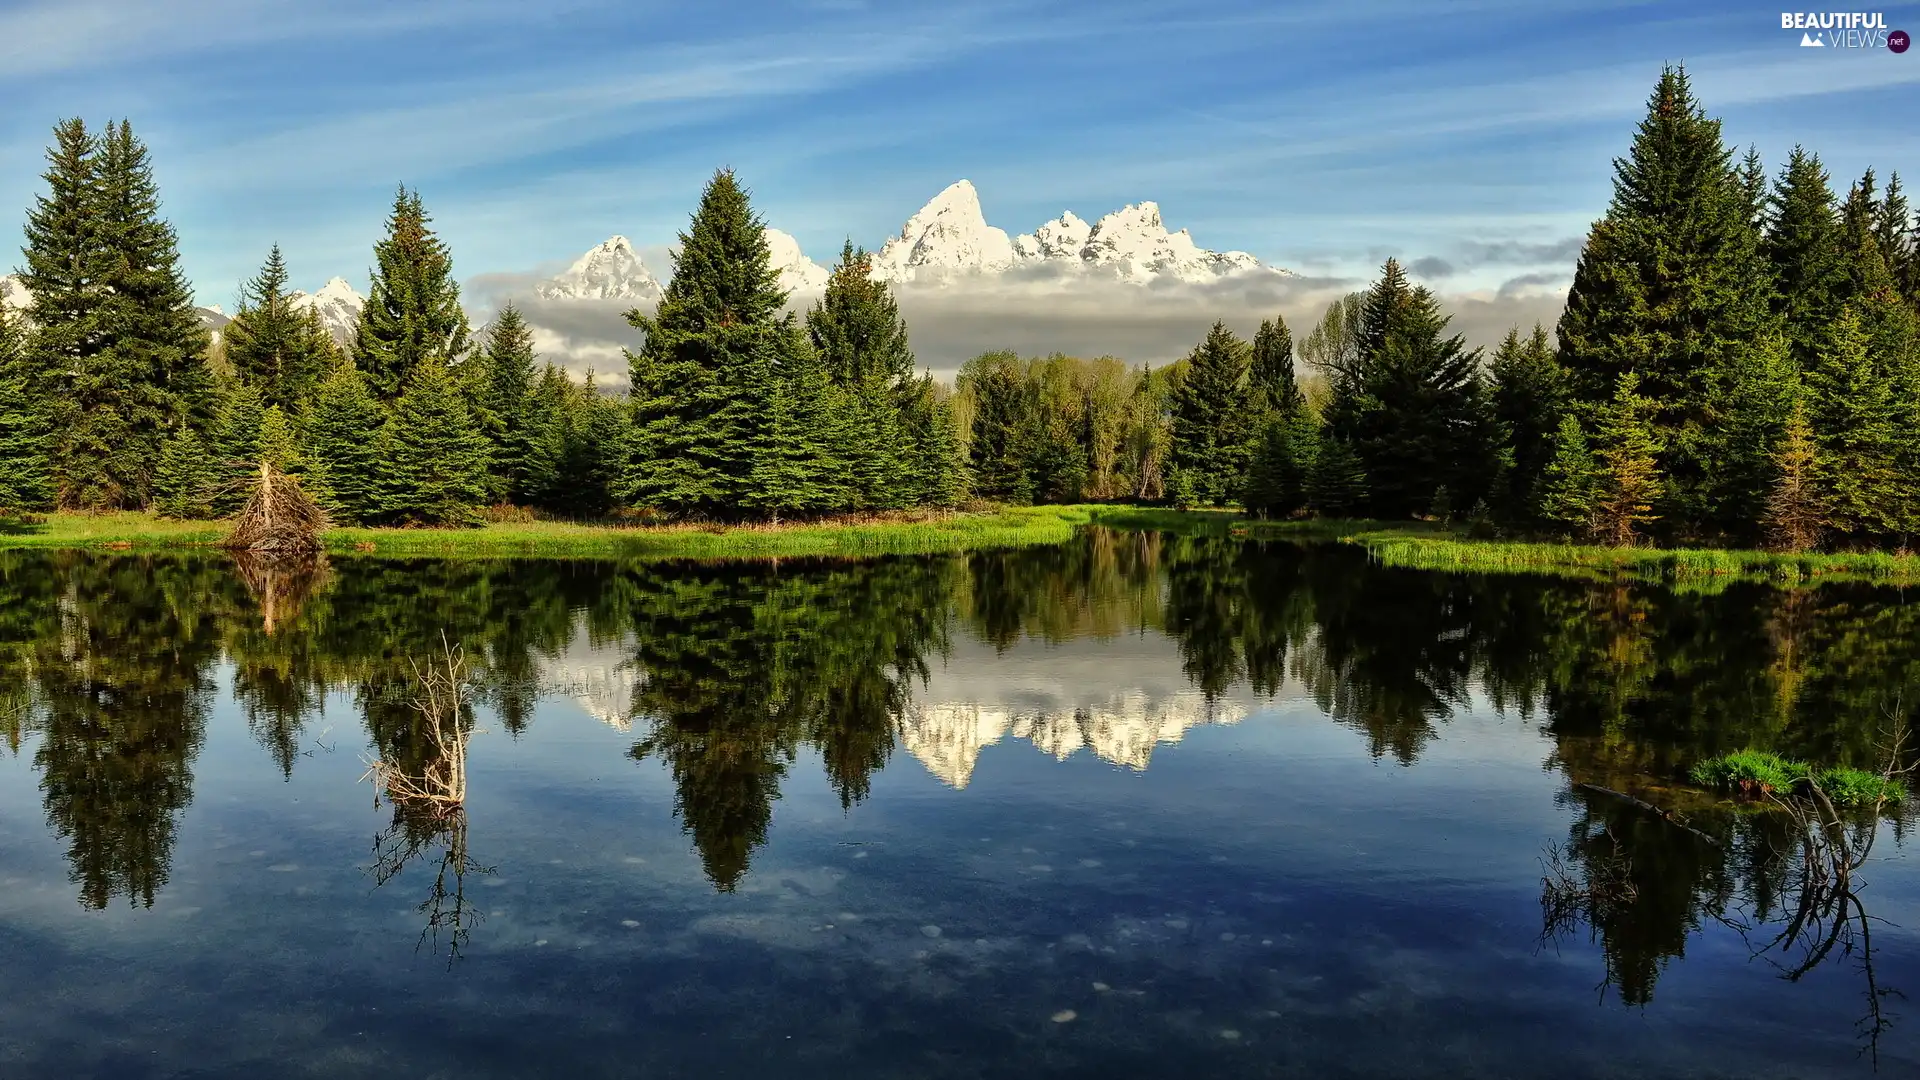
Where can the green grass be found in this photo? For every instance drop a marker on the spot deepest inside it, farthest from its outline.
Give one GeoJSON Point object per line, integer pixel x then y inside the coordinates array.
{"type": "Point", "coordinates": [1755, 772]}
{"type": "Point", "coordinates": [1396, 548]}
{"type": "Point", "coordinates": [1009, 527]}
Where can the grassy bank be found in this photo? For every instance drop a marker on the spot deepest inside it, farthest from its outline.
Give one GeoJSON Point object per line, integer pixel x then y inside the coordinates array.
{"type": "Point", "coordinates": [1009, 527]}
{"type": "Point", "coordinates": [1442, 552]}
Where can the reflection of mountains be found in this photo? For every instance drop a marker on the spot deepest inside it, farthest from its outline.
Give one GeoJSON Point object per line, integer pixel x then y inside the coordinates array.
{"type": "Point", "coordinates": [947, 737]}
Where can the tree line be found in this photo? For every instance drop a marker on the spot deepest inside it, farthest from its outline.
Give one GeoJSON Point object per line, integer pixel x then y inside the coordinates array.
{"type": "Point", "coordinates": [1738, 362]}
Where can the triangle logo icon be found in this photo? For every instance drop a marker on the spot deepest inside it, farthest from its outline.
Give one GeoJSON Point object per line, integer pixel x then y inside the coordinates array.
{"type": "Point", "coordinates": [1808, 41]}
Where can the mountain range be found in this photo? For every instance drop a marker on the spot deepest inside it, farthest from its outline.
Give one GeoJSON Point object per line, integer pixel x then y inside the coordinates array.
{"type": "Point", "coordinates": [946, 244]}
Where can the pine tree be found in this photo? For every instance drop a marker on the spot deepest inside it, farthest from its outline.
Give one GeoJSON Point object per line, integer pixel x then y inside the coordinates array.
{"type": "Point", "coordinates": [1271, 385]}
{"type": "Point", "coordinates": [1855, 420]}
{"type": "Point", "coordinates": [1529, 401]}
{"type": "Point", "coordinates": [1418, 415]}
{"type": "Point", "coordinates": [117, 353]}
{"type": "Point", "coordinates": [936, 473]}
{"type": "Point", "coordinates": [1671, 287]}
{"type": "Point", "coordinates": [343, 426]}
{"type": "Point", "coordinates": [1894, 233]}
{"type": "Point", "coordinates": [547, 440]}
{"type": "Point", "coordinates": [413, 315]}
{"type": "Point", "coordinates": [999, 449]}
{"type": "Point", "coordinates": [857, 331]}
{"type": "Point", "coordinates": [1796, 512]}
{"type": "Point", "coordinates": [277, 348]}
{"type": "Point", "coordinates": [1569, 484]}
{"type": "Point", "coordinates": [235, 448]}
{"type": "Point", "coordinates": [184, 481]}
{"type": "Point", "coordinates": [1211, 416]}
{"type": "Point", "coordinates": [1278, 477]}
{"type": "Point", "coordinates": [1337, 486]}
{"type": "Point", "coordinates": [432, 459]}
{"type": "Point", "coordinates": [25, 484]}
{"type": "Point", "coordinates": [508, 363]}
{"type": "Point", "coordinates": [592, 451]}
{"type": "Point", "coordinates": [1629, 478]}
{"type": "Point", "coordinates": [784, 481]}
{"type": "Point", "coordinates": [695, 420]}
{"type": "Point", "coordinates": [1803, 247]}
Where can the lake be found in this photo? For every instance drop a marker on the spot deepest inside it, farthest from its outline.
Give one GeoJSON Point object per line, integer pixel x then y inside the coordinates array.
{"type": "Point", "coordinates": [1138, 805]}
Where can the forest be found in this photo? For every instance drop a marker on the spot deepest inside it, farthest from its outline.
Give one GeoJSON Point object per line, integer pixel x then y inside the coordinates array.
{"type": "Point", "coordinates": [1738, 363]}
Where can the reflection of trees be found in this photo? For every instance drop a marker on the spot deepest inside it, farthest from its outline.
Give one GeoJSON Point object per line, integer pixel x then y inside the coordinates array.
{"type": "Point", "coordinates": [436, 838]}
{"type": "Point", "coordinates": [122, 690]}
{"type": "Point", "coordinates": [746, 663]}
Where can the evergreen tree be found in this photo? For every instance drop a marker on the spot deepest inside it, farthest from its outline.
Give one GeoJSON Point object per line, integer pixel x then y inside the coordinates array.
{"type": "Point", "coordinates": [24, 481]}
{"type": "Point", "coordinates": [1337, 486]}
{"type": "Point", "coordinates": [1529, 402]}
{"type": "Point", "coordinates": [1282, 466]}
{"type": "Point", "coordinates": [1211, 416]}
{"type": "Point", "coordinates": [117, 353]}
{"type": "Point", "coordinates": [184, 482]}
{"type": "Point", "coordinates": [547, 427]}
{"type": "Point", "coordinates": [1671, 287]}
{"type": "Point", "coordinates": [277, 348]}
{"type": "Point", "coordinates": [695, 420]}
{"type": "Point", "coordinates": [936, 475]}
{"type": "Point", "coordinates": [856, 330]}
{"type": "Point", "coordinates": [1855, 421]}
{"type": "Point", "coordinates": [1000, 448]}
{"type": "Point", "coordinates": [784, 481]}
{"type": "Point", "coordinates": [1417, 414]}
{"type": "Point", "coordinates": [1803, 247]}
{"type": "Point", "coordinates": [236, 448]}
{"type": "Point", "coordinates": [516, 471]}
{"type": "Point", "coordinates": [413, 315]}
{"type": "Point", "coordinates": [1629, 478]}
{"type": "Point", "coordinates": [1271, 385]}
{"type": "Point", "coordinates": [1569, 484]}
{"type": "Point", "coordinates": [1894, 234]}
{"type": "Point", "coordinates": [278, 442]}
{"type": "Point", "coordinates": [432, 460]}
{"type": "Point", "coordinates": [1796, 511]}
{"type": "Point", "coordinates": [343, 427]}
{"type": "Point", "coordinates": [592, 452]}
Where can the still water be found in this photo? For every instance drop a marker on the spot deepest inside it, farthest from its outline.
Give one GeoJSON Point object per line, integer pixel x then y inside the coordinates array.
{"type": "Point", "coordinates": [1138, 805]}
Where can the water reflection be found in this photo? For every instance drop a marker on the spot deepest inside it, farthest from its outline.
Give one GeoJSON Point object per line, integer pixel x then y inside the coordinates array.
{"type": "Point", "coordinates": [727, 674]}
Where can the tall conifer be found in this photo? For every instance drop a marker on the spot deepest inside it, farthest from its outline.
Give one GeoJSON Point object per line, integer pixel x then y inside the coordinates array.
{"type": "Point", "coordinates": [1855, 421]}
{"type": "Point", "coordinates": [1803, 247]}
{"type": "Point", "coordinates": [695, 419]}
{"type": "Point", "coordinates": [1529, 400]}
{"type": "Point", "coordinates": [343, 426]}
{"type": "Point", "coordinates": [279, 349]}
{"type": "Point", "coordinates": [1629, 484]}
{"type": "Point", "coordinates": [25, 484]}
{"type": "Point", "coordinates": [1211, 416]}
{"type": "Point", "coordinates": [433, 461]}
{"type": "Point", "coordinates": [413, 314]}
{"type": "Point", "coordinates": [508, 363]}
{"type": "Point", "coordinates": [1671, 286]}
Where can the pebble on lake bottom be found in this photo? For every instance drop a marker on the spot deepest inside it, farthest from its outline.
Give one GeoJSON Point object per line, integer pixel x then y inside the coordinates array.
{"type": "Point", "coordinates": [930, 930]}
{"type": "Point", "coordinates": [1226, 937]}
{"type": "Point", "coordinates": [1064, 1016]}
{"type": "Point", "coordinates": [629, 923]}
{"type": "Point", "coordinates": [1101, 987]}
{"type": "Point", "coordinates": [1229, 1034]}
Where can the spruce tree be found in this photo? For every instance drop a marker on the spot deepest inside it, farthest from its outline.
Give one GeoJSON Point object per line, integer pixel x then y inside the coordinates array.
{"type": "Point", "coordinates": [547, 426]}
{"type": "Point", "coordinates": [1629, 485]}
{"type": "Point", "coordinates": [999, 449]}
{"type": "Point", "coordinates": [343, 427]}
{"type": "Point", "coordinates": [185, 481]}
{"type": "Point", "coordinates": [1803, 247]}
{"type": "Point", "coordinates": [1894, 234]}
{"type": "Point", "coordinates": [1569, 483]}
{"type": "Point", "coordinates": [1278, 476]}
{"type": "Point", "coordinates": [1796, 516]}
{"type": "Point", "coordinates": [1855, 421]}
{"type": "Point", "coordinates": [783, 481]}
{"type": "Point", "coordinates": [592, 451]}
{"type": "Point", "coordinates": [1671, 287]}
{"type": "Point", "coordinates": [861, 340]}
{"type": "Point", "coordinates": [1271, 385]}
{"type": "Point", "coordinates": [507, 359]}
{"type": "Point", "coordinates": [1529, 402]}
{"type": "Point", "coordinates": [432, 459]}
{"type": "Point", "coordinates": [1211, 416]}
{"type": "Point", "coordinates": [235, 448]}
{"type": "Point", "coordinates": [1337, 485]}
{"type": "Point", "coordinates": [279, 349]}
{"type": "Point", "coordinates": [936, 473]}
{"type": "Point", "coordinates": [25, 483]}
{"type": "Point", "coordinates": [413, 315]}
{"type": "Point", "coordinates": [695, 417]}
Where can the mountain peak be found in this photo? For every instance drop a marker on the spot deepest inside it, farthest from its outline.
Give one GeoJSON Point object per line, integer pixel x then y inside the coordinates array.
{"type": "Point", "coordinates": [948, 234]}
{"type": "Point", "coordinates": [797, 272]}
{"type": "Point", "coordinates": [611, 270]}
{"type": "Point", "coordinates": [339, 305]}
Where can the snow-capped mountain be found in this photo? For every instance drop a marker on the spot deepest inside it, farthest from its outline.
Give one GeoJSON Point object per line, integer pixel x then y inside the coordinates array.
{"type": "Point", "coordinates": [613, 270]}
{"type": "Point", "coordinates": [339, 305]}
{"type": "Point", "coordinates": [797, 272]}
{"type": "Point", "coordinates": [610, 271]}
{"type": "Point", "coordinates": [949, 239]}
{"type": "Point", "coordinates": [947, 737]}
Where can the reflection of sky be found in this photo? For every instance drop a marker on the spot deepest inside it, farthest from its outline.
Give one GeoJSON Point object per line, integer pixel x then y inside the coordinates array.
{"type": "Point", "coordinates": [1266, 899]}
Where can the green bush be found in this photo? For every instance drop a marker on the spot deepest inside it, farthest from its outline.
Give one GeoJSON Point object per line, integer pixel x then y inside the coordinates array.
{"type": "Point", "coordinates": [1751, 772]}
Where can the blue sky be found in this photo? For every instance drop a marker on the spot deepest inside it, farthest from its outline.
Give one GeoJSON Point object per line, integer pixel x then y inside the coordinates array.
{"type": "Point", "coordinates": [1317, 136]}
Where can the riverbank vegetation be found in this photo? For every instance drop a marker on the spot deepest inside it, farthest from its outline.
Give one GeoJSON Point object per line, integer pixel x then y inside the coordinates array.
{"type": "Point", "coordinates": [1758, 773]}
